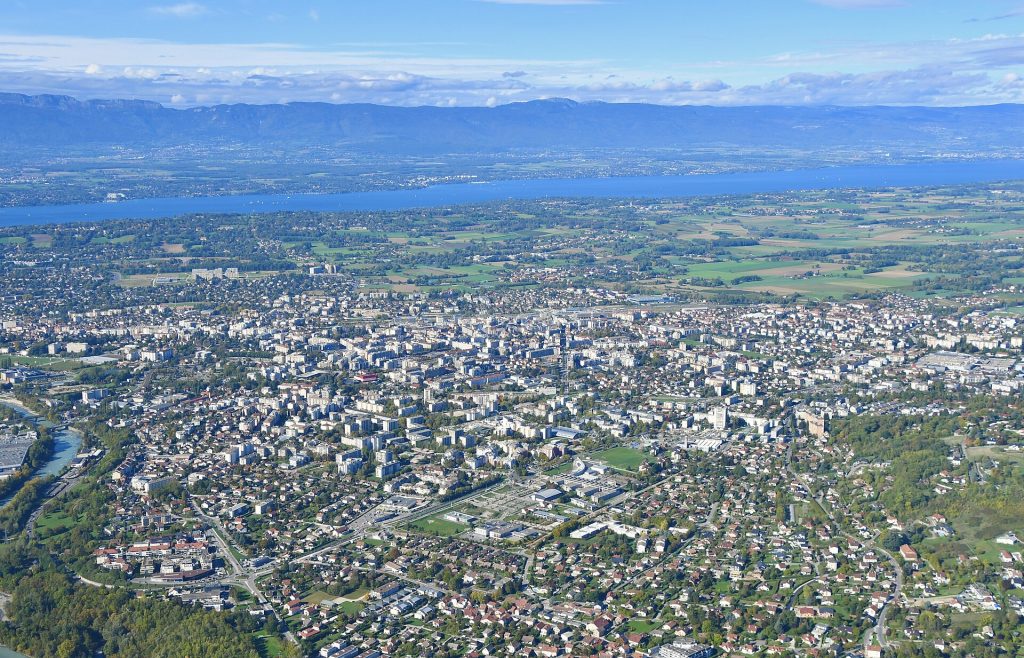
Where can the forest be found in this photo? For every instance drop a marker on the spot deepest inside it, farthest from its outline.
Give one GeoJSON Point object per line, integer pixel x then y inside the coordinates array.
{"type": "Point", "coordinates": [53, 616]}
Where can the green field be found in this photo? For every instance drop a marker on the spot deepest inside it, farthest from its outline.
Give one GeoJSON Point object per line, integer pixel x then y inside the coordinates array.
{"type": "Point", "coordinates": [357, 595]}
{"type": "Point", "coordinates": [42, 362]}
{"type": "Point", "coordinates": [812, 244]}
{"type": "Point", "coordinates": [435, 525]}
{"type": "Point", "coordinates": [269, 646]}
{"type": "Point", "coordinates": [624, 459]}
{"type": "Point", "coordinates": [996, 453]}
{"type": "Point", "coordinates": [558, 470]}
{"type": "Point", "coordinates": [316, 598]}
{"type": "Point", "coordinates": [351, 607]}
{"type": "Point", "coordinates": [642, 625]}
{"type": "Point", "coordinates": [56, 521]}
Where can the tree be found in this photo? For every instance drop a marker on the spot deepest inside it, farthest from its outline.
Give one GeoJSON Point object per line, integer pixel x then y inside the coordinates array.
{"type": "Point", "coordinates": [69, 649]}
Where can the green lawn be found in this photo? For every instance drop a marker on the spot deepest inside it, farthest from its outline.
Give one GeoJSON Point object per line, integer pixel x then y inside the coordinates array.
{"type": "Point", "coordinates": [269, 646]}
{"type": "Point", "coordinates": [358, 594]}
{"type": "Point", "coordinates": [558, 470]}
{"type": "Point", "coordinates": [435, 525]}
{"type": "Point", "coordinates": [43, 362]}
{"type": "Point", "coordinates": [56, 521]}
{"type": "Point", "coordinates": [625, 459]}
{"type": "Point", "coordinates": [316, 598]}
{"type": "Point", "coordinates": [351, 607]}
{"type": "Point", "coordinates": [642, 625]}
{"type": "Point", "coordinates": [997, 453]}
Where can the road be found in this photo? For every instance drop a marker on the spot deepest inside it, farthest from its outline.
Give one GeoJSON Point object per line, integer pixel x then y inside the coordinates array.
{"type": "Point", "coordinates": [362, 525]}
{"type": "Point", "coordinates": [798, 588]}
{"type": "Point", "coordinates": [62, 485]}
{"type": "Point", "coordinates": [879, 630]}
{"type": "Point", "coordinates": [242, 576]}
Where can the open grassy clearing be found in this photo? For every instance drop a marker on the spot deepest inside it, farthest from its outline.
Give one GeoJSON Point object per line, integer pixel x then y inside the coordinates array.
{"type": "Point", "coordinates": [997, 453]}
{"type": "Point", "coordinates": [435, 525]}
{"type": "Point", "coordinates": [351, 607]}
{"type": "Point", "coordinates": [56, 522]}
{"type": "Point", "coordinates": [624, 459]}
{"type": "Point", "coordinates": [42, 240]}
{"type": "Point", "coordinates": [558, 470]}
{"type": "Point", "coordinates": [43, 362]}
{"type": "Point", "coordinates": [123, 239]}
{"type": "Point", "coordinates": [269, 645]}
{"type": "Point", "coordinates": [142, 280]}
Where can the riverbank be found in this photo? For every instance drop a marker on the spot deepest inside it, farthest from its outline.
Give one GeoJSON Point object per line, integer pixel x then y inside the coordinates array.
{"type": "Point", "coordinates": [5, 600]}
{"type": "Point", "coordinates": [66, 444]}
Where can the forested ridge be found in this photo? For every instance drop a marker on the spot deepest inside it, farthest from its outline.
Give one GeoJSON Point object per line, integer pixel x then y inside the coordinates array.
{"type": "Point", "coordinates": [51, 615]}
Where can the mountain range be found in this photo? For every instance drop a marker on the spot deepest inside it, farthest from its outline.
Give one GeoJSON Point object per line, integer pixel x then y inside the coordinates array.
{"type": "Point", "coordinates": [59, 121]}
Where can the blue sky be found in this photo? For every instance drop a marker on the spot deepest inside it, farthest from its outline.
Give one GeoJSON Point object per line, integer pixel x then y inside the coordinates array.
{"type": "Point", "coordinates": [487, 52]}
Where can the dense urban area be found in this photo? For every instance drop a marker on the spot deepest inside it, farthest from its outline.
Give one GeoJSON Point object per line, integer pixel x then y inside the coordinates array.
{"type": "Point", "coordinates": [769, 425]}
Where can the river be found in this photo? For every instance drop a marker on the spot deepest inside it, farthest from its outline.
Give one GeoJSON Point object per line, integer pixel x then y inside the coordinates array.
{"type": "Point", "coordinates": [66, 445]}
{"type": "Point", "coordinates": [866, 176]}
{"type": "Point", "coordinates": [65, 448]}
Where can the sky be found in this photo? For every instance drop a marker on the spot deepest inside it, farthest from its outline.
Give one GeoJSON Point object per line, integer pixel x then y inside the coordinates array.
{"type": "Point", "coordinates": [491, 52]}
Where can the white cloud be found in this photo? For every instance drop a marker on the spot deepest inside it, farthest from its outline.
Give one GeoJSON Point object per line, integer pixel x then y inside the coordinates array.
{"type": "Point", "coordinates": [921, 86]}
{"type": "Point", "coordinates": [140, 73]}
{"type": "Point", "coordinates": [967, 71]}
{"type": "Point", "coordinates": [50, 52]}
{"type": "Point", "coordinates": [180, 10]}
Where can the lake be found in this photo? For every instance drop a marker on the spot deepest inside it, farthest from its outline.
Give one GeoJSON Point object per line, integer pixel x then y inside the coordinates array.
{"type": "Point", "coordinates": [868, 176]}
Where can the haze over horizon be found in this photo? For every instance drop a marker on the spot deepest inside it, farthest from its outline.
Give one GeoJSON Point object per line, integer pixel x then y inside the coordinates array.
{"type": "Point", "coordinates": [492, 52]}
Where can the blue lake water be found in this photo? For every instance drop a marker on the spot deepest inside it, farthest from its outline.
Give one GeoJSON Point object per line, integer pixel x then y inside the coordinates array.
{"type": "Point", "coordinates": [872, 176]}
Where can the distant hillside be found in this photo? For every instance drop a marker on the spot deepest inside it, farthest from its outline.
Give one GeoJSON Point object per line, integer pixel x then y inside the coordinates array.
{"type": "Point", "coordinates": [54, 121]}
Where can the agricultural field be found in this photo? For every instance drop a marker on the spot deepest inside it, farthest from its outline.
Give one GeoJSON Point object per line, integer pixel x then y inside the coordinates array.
{"type": "Point", "coordinates": [815, 245]}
